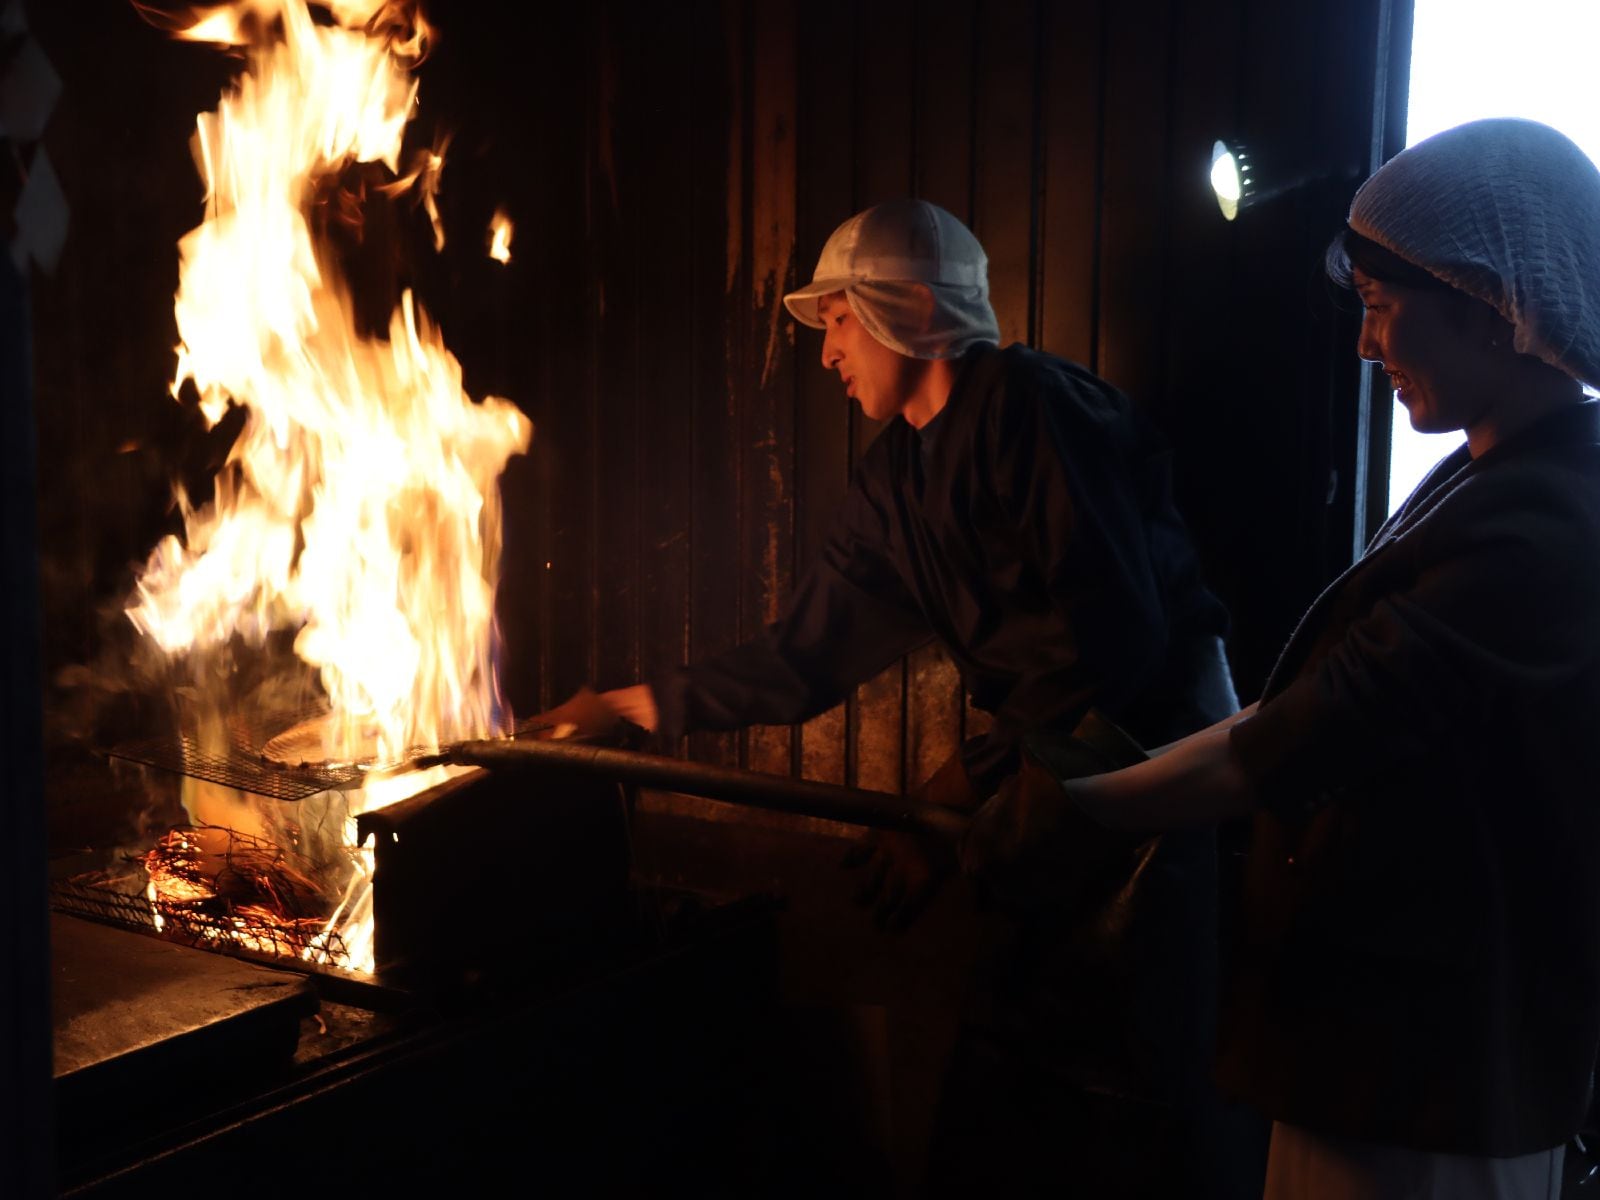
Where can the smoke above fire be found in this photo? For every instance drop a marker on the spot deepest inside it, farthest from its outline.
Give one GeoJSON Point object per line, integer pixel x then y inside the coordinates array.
{"type": "Point", "coordinates": [359, 506]}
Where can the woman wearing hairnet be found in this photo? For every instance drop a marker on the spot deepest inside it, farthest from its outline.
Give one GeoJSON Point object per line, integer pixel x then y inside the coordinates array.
{"type": "Point", "coordinates": [1417, 1003]}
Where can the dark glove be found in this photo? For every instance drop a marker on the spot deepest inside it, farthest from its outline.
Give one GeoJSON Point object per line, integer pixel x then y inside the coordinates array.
{"type": "Point", "coordinates": [1031, 845]}
{"type": "Point", "coordinates": [950, 787]}
{"type": "Point", "coordinates": [902, 872]}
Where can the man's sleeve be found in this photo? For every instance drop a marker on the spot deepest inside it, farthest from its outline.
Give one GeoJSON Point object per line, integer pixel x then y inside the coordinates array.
{"type": "Point", "coordinates": [1073, 470]}
{"type": "Point", "coordinates": [1066, 466]}
{"type": "Point", "coordinates": [850, 616]}
{"type": "Point", "coordinates": [1504, 603]}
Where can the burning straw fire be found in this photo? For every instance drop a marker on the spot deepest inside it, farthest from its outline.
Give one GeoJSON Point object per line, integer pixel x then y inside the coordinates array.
{"type": "Point", "coordinates": [359, 505]}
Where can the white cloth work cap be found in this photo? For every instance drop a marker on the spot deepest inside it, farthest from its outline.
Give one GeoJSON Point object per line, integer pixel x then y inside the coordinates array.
{"type": "Point", "coordinates": [882, 258]}
{"type": "Point", "coordinates": [1507, 211]}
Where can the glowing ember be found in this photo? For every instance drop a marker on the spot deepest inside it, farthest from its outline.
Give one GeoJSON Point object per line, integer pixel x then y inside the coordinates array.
{"type": "Point", "coordinates": [500, 237]}
{"type": "Point", "coordinates": [359, 506]}
{"type": "Point", "coordinates": [224, 886]}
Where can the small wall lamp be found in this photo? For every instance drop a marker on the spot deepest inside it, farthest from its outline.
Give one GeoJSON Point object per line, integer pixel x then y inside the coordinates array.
{"type": "Point", "coordinates": [1239, 184]}
{"type": "Point", "coordinates": [1232, 178]}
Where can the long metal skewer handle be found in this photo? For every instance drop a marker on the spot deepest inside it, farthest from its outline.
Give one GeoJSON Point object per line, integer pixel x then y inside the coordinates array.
{"type": "Point", "coordinates": [853, 806]}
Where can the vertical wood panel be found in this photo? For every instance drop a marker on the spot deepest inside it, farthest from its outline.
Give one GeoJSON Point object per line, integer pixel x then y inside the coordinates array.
{"type": "Point", "coordinates": [714, 78]}
{"type": "Point", "coordinates": [664, 218]}
{"type": "Point", "coordinates": [1004, 152]}
{"type": "Point", "coordinates": [822, 422]}
{"type": "Point", "coordinates": [769, 417]}
{"type": "Point", "coordinates": [1070, 216]}
{"type": "Point", "coordinates": [1132, 218]}
{"type": "Point", "coordinates": [884, 72]}
{"type": "Point", "coordinates": [942, 163]}
{"type": "Point", "coordinates": [613, 209]}
{"type": "Point", "coordinates": [933, 712]}
{"type": "Point", "coordinates": [565, 440]}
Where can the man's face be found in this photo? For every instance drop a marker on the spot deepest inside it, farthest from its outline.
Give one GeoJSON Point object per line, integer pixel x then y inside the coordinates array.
{"type": "Point", "coordinates": [880, 379]}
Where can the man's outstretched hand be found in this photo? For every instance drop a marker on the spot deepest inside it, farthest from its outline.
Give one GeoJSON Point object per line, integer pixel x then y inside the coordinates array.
{"type": "Point", "coordinates": [601, 716]}
{"type": "Point", "coordinates": [636, 704]}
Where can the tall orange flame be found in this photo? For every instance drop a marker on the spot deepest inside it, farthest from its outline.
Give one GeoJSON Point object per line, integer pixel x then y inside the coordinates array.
{"type": "Point", "coordinates": [360, 502]}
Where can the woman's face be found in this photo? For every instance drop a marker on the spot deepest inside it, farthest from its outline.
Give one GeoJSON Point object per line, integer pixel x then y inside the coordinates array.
{"type": "Point", "coordinates": [1429, 345]}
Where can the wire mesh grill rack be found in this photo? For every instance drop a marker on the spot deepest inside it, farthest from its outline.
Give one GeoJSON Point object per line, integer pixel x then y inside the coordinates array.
{"type": "Point", "coordinates": [244, 765]}
{"type": "Point", "coordinates": [223, 932]}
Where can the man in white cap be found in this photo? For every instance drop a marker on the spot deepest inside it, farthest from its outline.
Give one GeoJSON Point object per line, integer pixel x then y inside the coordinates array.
{"type": "Point", "coordinates": [1016, 509]}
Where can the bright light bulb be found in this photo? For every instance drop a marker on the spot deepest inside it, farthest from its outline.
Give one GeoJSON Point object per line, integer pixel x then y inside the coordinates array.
{"type": "Point", "coordinates": [1225, 181]}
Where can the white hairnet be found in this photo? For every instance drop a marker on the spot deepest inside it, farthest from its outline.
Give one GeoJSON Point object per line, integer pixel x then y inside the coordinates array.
{"type": "Point", "coordinates": [914, 276]}
{"type": "Point", "coordinates": [1507, 211]}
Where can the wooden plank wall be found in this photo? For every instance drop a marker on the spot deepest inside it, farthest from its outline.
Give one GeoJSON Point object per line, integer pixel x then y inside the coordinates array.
{"type": "Point", "coordinates": [723, 142]}
{"type": "Point", "coordinates": [672, 170]}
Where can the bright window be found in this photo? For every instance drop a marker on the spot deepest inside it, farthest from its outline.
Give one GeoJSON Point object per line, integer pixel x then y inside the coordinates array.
{"type": "Point", "coordinates": [1494, 58]}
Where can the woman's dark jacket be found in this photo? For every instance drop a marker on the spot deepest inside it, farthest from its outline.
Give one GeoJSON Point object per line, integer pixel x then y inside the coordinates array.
{"type": "Point", "coordinates": [1422, 963]}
